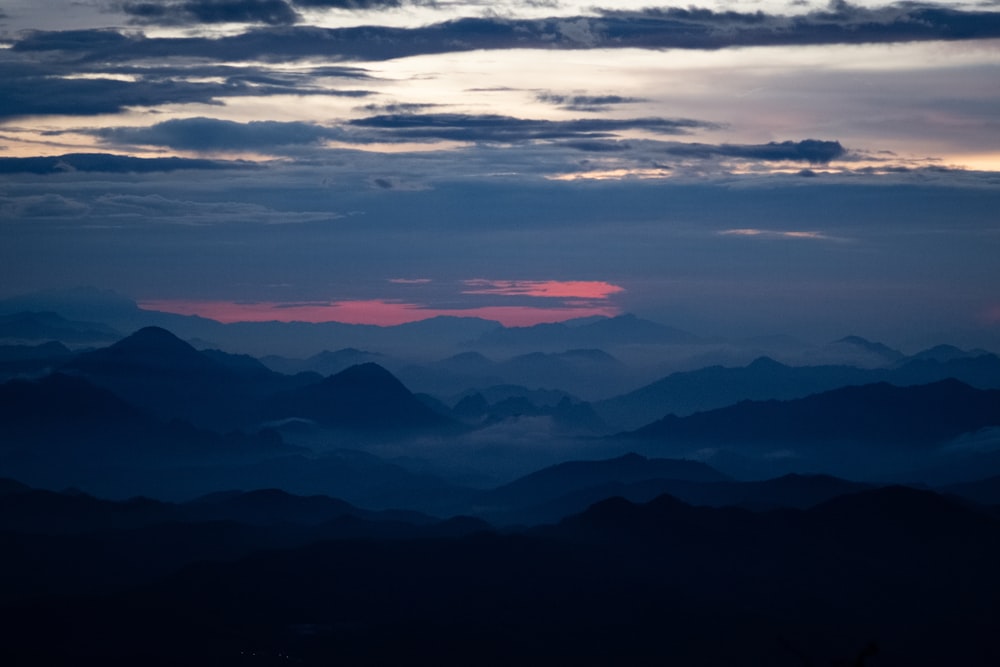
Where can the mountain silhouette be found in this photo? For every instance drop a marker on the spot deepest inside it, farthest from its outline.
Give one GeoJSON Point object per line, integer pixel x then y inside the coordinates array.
{"type": "Point", "coordinates": [879, 353]}
{"type": "Point", "coordinates": [169, 378]}
{"type": "Point", "coordinates": [687, 392]}
{"type": "Point", "coordinates": [49, 326]}
{"type": "Point", "coordinates": [63, 431]}
{"type": "Point", "coordinates": [60, 405]}
{"type": "Point", "coordinates": [325, 363]}
{"type": "Point", "coordinates": [151, 349]}
{"type": "Point", "coordinates": [32, 360]}
{"type": "Point", "coordinates": [592, 333]}
{"type": "Point", "coordinates": [560, 479]}
{"type": "Point", "coordinates": [919, 416]}
{"type": "Point", "coordinates": [712, 387]}
{"type": "Point", "coordinates": [365, 396]}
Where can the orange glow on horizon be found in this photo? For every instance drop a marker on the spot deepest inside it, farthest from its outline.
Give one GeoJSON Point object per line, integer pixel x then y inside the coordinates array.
{"type": "Point", "coordinates": [372, 311]}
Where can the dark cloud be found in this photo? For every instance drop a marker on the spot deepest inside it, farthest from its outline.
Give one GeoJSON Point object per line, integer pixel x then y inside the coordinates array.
{"type": "Point", "coordinates": [654, 28]}
{"type": "Point", "coordinates": [76, 41]}
{"type": "Point", "coordinates": [349, 4]}
{"type": "Point", "coordinates": [41, 95]}
{"type": "Point", "coordinates": [598, 146]}
{"type": "Point", "coordinates": [173, 12]}
{"type": "Point", "coordinates": [103, 162]}
{"type": "Point", "coordinates": [809, 150]}
{"type": "Point", "coordinates": [212, 134]}
{"type": "Point", "coordinates": [27, 90]}
{"type": "Point", "coordinates": [397, 107]}
{"type": "Point", "coordinates": [207, 134]}
{"type": "Point", "coordinates": [585, 102]}
{"type": "Point", "coordinates": [506, 129]}
{"type": "Point", "coordinates": [842, 22]}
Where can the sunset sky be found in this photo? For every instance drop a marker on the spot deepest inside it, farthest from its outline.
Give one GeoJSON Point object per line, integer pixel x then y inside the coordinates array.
{"type": "Point", "coordinates": [731, 168]}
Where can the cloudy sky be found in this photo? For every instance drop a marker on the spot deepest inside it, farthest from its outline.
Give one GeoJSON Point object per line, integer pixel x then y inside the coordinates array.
{"type": "Point", "coordinates": [735, 168]}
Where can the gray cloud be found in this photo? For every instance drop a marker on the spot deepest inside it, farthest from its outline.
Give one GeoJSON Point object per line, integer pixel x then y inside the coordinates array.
{"type": "Point", "coordinates": [506, 129]}
{"type": "Point", "coordinates": [213, 134]}
{"type": "Point", "coordinates": [397, 107]}
{"type": "Point", "coordinates": [842, 23]}
{"type": "Point", "coordinates": [350, 4]}
{"type": "Point", "coordinates": [102, 162]}
{"type": "Point", "coordinates": [585, 102]}
{"type": "Point", "coordinates": [174, 12]}
{"type": "Point", "coordinates": [41, 206]}
{"type": "Point", "coordinates": [27, 90]}
{"type": "Point", "coordinates": [809, 150]}
{"type": "Point", "coordinates": [598, 145]}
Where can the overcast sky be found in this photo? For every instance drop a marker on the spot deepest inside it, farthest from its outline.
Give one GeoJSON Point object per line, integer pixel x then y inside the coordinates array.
{"type": "Point", "coordinates": [732, 168]}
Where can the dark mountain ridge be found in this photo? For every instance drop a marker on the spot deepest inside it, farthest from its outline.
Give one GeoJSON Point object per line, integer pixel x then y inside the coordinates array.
{"type": "Point", "coordinates": [686, 392]}
{"type": "Point", "coordinates": [915, 416]}
{"type": "Point", "coordinates": [365, 396]}
{"type": "Point", "coordinates": [654, 583]}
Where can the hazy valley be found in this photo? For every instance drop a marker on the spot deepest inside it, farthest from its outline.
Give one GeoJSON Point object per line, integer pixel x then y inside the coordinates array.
{"type": "Point", "coordinates": [493, 496]}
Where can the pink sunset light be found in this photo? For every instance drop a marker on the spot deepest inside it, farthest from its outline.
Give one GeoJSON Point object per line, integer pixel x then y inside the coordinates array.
{"type": "Point", "coordinates": [572, 289]}
{"type": "Point", "coordinates": [373, 311]}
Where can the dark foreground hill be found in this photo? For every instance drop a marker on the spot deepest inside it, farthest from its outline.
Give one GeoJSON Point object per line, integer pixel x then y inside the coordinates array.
{"type": "Point", "coordinates": [891, 576]}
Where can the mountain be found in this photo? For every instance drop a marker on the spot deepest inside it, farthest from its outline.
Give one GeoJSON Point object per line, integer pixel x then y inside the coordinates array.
{"type": "Point", "coordinates": [325, 362]}
{"type": "Point", "coordinates": [151, 350]}
{"type": "Point", "coordinates": [169, 378]}
{"type": "Point", "coordinates": [983, 491]}
{"type": "Point", "coordinates": [978, 370]}
{"type": "Point", "coordinates": [598, 333]}
{"type": "Point", "coordinates": [32, 360]}
{"type": "Point", "coordinates": [561, 479]}
{"type": "Point", "coordinates": [590, 372]}
{"type": "Point", "coordinates": [686, 392]}
{"type": "Point", "coordinates": [86, 304]}
{"type": "Point", "coordinates": [365, 397]}
{"type": "Point", "coordinates": [28, 353]}
{"type": "Point", "coordinates": [915, 416]}
{"type": "Point", "coordinates": [620, 583]}
{"type": "Point", "coordinates": [451, 375]}
{"type": "Point", "coordinates": [60, 405]}
{"type": "Point", "coordinates": [863, 352]}
{"type": "Point", "coordinates": [62, 431]}
{"type": "Point", "coordinates": [274, 506]}
{"type": "Point", "coordinates": [789, 491]}
{"type": "Point", "coordinates": [33, 326]}
{"type": "Point", "coordinates": [944, 353]}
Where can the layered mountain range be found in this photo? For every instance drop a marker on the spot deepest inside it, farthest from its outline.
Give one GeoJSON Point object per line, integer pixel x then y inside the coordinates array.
{"type": "Point", "coordinates": [176, 501]}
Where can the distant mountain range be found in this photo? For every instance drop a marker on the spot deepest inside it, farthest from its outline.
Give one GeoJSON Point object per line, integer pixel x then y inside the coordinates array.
{"type": "Point", "coordinates": [687, 392]}
{"type": "Point", "coordinates": [167, 504]}
{"type": "Point", "coordinates": [916, 416]}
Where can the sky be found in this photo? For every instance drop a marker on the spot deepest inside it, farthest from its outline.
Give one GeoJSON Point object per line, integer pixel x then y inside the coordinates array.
{"type": "Point", "coordinates": [733, 168]}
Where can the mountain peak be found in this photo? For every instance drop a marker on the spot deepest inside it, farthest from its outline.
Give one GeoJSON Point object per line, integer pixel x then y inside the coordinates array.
{"type": "Point", "coordinates": [149, 348]}
{"type": "Point", "coordinates": [863, 344]}
{"type": "Point", "coordinates": [765, 363]}
{"type": "Point", "coordinates": [150, 337]}
{"type": "Point", "coordinates": [368, 372]}
{"type": "Point", "coordinates": [363, 396]}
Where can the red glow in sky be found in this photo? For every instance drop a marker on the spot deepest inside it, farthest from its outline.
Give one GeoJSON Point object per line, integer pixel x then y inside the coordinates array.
{"type": "Point", "coordinates": [374, 311]}
{"type": "Point", "coordinates": [573, 289]}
